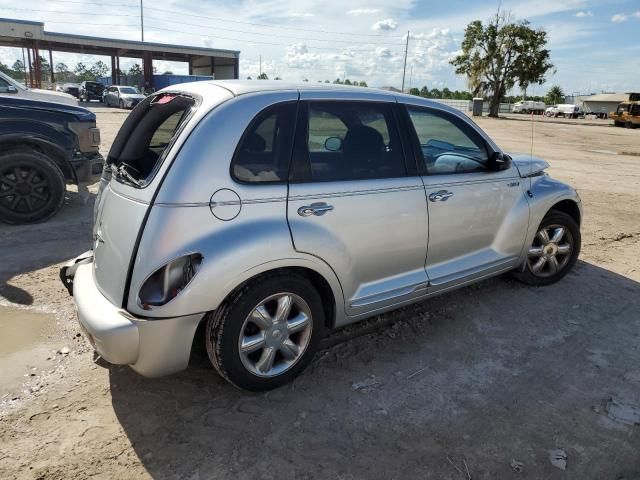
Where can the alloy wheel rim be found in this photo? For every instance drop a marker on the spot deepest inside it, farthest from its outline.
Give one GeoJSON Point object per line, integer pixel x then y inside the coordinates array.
{"type": "Point", "coordinates": [550, 251]}
{"type": "Point", "coordinates": [275, 334]}
{"type": "Point", "coordinates": [23, 189]}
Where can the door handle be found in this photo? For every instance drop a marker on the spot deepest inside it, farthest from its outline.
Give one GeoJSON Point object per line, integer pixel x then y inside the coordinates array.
{"type": "Point", "coordinates": [440, 196]}
{"type": "Point", "coordinates": [317, 209]}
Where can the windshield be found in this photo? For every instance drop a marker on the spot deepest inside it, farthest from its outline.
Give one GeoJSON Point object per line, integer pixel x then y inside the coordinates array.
{"type": "Point", "coordinates": [11, 81]}
{"type": "Point", "coordinates": [128, 90]}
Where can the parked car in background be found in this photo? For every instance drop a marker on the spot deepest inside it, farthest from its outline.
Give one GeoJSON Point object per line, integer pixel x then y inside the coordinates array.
{"type": "Point", "coordinates": [91, 91]}
{"type": "Point", "coordinates": [43, 146]}
{"type": "Point", "coordinates": [566, 110]}
{"type": "Point", "coordinates": [122, 96]}
{"type": "Point", "coordinates": [529, 106]}
{"type": "Point", "coordinates": [72, 89]}
{"type": "Point", "coordinates": [273, 213]}
{"type": "Point", "coordinates": [627, 115]}
{"type": "Point", "coordinates": [11, 88]}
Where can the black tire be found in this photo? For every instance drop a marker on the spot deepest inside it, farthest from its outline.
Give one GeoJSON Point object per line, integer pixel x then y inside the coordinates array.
{"type": "Point", "coordinates": [32, 187]}
{"type": "Point", "coordinates": [226, 325]}
{"type": "Point", "coordinates": [554, 217]}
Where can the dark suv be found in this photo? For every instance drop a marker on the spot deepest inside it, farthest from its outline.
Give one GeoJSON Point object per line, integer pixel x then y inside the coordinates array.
{"type": "Point", "coordinates": [90, 91]}
{"type": "Point", "coordinates": [43, 146]}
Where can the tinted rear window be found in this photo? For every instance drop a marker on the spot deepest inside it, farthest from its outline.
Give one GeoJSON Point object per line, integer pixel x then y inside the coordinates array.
{"type": "Point", "coordinates": [147, 134]}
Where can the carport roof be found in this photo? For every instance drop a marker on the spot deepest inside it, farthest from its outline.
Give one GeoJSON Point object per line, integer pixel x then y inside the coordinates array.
{"type": "Point", "coordinates": [89, 44]}
{"type": "Point", "coordinates": [607, 97]}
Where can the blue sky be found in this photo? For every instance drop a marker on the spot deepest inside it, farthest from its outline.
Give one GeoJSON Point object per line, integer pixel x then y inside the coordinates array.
{"type": "Point", "coordinates": [595, 44]}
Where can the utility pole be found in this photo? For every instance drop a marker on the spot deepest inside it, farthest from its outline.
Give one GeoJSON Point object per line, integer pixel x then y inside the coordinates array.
{"type": "Point", "coordinates": [141, 21]}
{"type": "Point", "coordinates": [404, 70]}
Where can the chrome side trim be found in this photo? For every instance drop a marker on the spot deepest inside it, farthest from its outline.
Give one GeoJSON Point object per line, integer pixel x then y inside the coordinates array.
{"type": "Point", "coordinates": [351, 193]}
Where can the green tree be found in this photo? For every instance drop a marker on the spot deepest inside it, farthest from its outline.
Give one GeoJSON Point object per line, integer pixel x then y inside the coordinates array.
{"type": "Point", "coordinates": [327, 81]}
{"type": "Point", "coordinates": [347, 82]}
{"type": "Point", "coordinates": [414, 91]}
{"type": "Point", "coordinates": [135, 75]}
{"type": "Point", "coordinates": [99, 70]}
{"type": "Point", "coordinates": [555, 95]}
{"type": "Point", "coordinates": [424, 92]}
{"type": "Point", "coordinates": [500, 54]}
{"type": "Point", "coordinates": [263, 76]}
{"type": "Point", "coordinates": [277, 78]}
{"type": "Point", "coordinates": [446, 93]}
{"type": "Point", "coordinates": [5, 69]}
{"type": "Point", "coordinates": [18, 66]}
{"type": "Point", "coordinates": [338, 81]}
{"type": "Point", "coordinates": [362, 83]}
{"type": "Point", "coordinates": [435, 93]}
{"type": "Point", "coordinates": [81, 72]}
{"type": "Point", "coordinates": [248, 78]}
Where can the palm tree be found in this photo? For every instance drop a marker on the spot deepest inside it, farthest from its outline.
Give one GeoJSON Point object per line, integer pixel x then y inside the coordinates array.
{"type": "Point", "coordinates": [555, 95]}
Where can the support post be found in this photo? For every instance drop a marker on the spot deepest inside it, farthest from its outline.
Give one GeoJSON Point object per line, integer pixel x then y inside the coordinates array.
{"type": "Point", "coordinates": [53, 77]}
{"type": "Point", "coordinates": [236, 68]}
{"type": "Point", "coordinates": [190, 66]}
{"type": "Point", "coordinates": [117, 69]}
{"type": "Point", "coordinates": [38, 65]}
{"type": "Point", "coordinates": [147, 70]}
{"type": "Point", "coordinates": [30, 67]}
{"type": "Point", "coordinates": [114, 72]}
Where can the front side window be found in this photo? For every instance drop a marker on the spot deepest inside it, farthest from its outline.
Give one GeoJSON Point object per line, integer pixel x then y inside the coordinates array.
{"type": "Point", "coordinates": [264, 151]}
{"type": "Point", "coordinates": [130, 90]}
{"type": "Point", "coordinates": [353, 141]}
{"type": "Point", "coordinates": [447, 144]}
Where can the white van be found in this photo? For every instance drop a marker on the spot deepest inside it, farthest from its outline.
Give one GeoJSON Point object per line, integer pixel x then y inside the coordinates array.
{"type": "Point", "coordinates": [9, 87]}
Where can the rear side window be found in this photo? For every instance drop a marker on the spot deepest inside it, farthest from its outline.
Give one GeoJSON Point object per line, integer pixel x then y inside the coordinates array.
{"type": "Point", "coordinates": [353, 141]}
{"type": "Point", "coordinates": [264, 151]}
{"type": "Point", "coordinates": [146, 136]}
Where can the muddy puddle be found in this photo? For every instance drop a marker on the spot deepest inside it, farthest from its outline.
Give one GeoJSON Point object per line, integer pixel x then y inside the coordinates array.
{"type": "Point", "coordinates": [25, 347]}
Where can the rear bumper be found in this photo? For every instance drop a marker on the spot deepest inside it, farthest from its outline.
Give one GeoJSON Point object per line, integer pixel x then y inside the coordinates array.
{"type": "Point", "coordinates": [152, 347]}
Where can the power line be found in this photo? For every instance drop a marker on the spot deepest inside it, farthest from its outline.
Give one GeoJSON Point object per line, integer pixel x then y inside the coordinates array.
{"type": "Point", "coordinates": [261, 33]}
{"type": "Point", "coordinates": [173, 12]}
{"type": "Point", "coordinates": [257, 42]}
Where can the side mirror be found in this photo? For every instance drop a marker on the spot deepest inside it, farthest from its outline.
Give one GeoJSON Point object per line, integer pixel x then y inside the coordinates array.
{"type": "Point", "coordinates": [12, 89]}
{"type": "Point", "coordinates": [333, 144]}
{"type": "Point", "coordinates": [500, 161]}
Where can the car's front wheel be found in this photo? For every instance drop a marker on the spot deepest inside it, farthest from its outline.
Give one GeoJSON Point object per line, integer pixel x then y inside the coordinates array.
{"type": "Point", "coordinates": [32, 187]}
{"type": "Point", "coordinates": [553, 252]}
{"type": "Point", "coordinates": [267, 332]}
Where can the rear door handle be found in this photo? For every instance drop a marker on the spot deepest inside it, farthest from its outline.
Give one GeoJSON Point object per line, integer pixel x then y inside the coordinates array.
{"type": "Point", "coordinates": [440, 196]}
{"type": "Point", "coordinates": [317, 209]}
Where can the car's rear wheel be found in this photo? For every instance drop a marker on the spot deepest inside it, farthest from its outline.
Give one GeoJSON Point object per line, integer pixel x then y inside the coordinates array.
{"type": "Point", "coordinates": [553, 252]}
{"type": "Point", "coordinates": [267, 332]}
{"type": "Point", "coordinates": [32, 187]}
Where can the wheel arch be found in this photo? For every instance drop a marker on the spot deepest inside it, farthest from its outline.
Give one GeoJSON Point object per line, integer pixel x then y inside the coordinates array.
{"type": "Point", "coordinates": [48, 149]}
{"type": "Point", "coordinates": [330, 298]}
{"type": "Point", "coordinates": [570, 207]}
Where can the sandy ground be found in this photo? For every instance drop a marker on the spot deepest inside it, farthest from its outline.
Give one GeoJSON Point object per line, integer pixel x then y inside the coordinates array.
{"type": "Point", "coordinates": [479, 383]}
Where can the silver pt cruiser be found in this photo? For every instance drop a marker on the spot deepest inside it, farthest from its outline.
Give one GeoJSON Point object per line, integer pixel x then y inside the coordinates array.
{"type": "Point", "coordinates": [273, 213]}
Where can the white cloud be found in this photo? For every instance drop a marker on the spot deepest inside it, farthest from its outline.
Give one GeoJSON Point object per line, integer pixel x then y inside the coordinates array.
{"type": "Point", "coordinates": [619, 18]}
{"type": "Point", "coordinates": [301, 15]}
{"type": "Point", "coordinates": [387, 24]}
{"type": "Point", "coordinates": [637, 14]}
{"type": "Point", "coordinates": [363, 11]}
{"type": "Point", "coordinates": [583, 14]}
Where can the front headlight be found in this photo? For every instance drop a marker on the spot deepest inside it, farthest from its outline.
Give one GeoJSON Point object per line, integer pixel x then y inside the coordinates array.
{"type": "Point", "coordinates": [88, 135]}
{"type": "Point", "coordinates": [167, 282]}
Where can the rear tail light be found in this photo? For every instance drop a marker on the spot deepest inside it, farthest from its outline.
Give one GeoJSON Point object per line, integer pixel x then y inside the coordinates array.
{"type": "Point", "coordinates": [167, 282]}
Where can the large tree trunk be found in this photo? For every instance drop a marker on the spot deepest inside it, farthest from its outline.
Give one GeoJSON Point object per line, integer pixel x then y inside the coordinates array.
{"type": "Point", "coordinates": [494, 106]}
{"type": "Point", "coordinates": [494, 103]}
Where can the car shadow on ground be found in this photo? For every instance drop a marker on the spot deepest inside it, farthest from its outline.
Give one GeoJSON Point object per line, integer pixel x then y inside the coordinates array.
{"type": "Point", "coordinates": [473, 380]}
{"type": "Point", "coordinates": [26, 248]}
